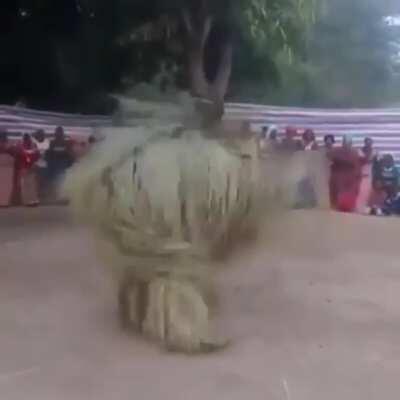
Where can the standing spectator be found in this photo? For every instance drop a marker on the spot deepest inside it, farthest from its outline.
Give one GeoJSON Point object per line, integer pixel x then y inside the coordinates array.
{"type": "Point", "coordinates": [6, 171]}
{"type": "Point", "coordinates": [59, 155]}
{"type": "Point", "coordinates": [307, 196]}
{"type": "Point", "coordinates": [345, 176]}
{"type": "Point", "coordinates": [309, 141]}
{"type": "Point", "coordinates": [43, 145]}
{"type": "Point", "coordinates": [368, 156]}
{"type": "Point", "coordinates": [26, 188]}
{"type": "Point", "coordinates": [264, 132]}
{"type": "Point", "coordinates": [290, 144]}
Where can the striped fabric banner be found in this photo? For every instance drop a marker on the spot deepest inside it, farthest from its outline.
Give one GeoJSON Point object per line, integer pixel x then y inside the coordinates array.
{"type": "Point", "coordinates": [382, 125]}
{"type": "Point", "coordinates": [17, 121]}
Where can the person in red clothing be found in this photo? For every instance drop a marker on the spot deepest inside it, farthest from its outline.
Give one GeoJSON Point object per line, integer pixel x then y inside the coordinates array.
{"type": "Point", "coordinates": [6, 171]}
{"type": "Point", "coordinates": [345, 176]}
{"type": "Point", "coordinates": [26, 154]}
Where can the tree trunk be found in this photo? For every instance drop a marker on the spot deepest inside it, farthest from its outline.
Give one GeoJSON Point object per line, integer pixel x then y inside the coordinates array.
{"type": "Point", "coordinates": [219, 86]}
{"type": "Point", "coordinates": [198, 82]}
{"type": "Point", "coordinates": [214, 91]}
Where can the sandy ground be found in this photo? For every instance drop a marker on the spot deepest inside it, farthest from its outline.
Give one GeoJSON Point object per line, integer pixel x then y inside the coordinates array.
{"type": "Point", "coordinates": [313, 312]}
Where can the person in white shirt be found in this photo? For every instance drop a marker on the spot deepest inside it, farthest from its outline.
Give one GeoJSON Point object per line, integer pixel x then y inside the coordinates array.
{"type": "Point", "coordinates": [42, 144]}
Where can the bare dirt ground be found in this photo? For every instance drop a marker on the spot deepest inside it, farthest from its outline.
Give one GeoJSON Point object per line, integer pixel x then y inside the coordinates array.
{"type": "Point", "coordinates": [313, 312]}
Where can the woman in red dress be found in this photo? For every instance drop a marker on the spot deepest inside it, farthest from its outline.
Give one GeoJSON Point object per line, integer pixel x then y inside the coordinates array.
{"type": "Point", "coordinates": [345, 176]}
{"type": "Point", "coordinates": [25, 183]}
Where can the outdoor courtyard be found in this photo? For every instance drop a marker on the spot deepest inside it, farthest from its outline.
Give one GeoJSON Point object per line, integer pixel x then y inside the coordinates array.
{"type": "Point", "coordinates": [313, 312]}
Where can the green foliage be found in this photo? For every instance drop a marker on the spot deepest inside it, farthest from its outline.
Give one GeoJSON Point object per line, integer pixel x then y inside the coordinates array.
{"type": "Point", "coordinates": [67, 57]}
{"type": "Point", "coordinates": [261, 30]}
{"type": "Point", "coordinates": [347, 62]}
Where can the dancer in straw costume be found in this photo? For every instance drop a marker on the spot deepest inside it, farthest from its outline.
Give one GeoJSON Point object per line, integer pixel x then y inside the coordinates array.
{"type": "Point", "coordinates": [167, 198]}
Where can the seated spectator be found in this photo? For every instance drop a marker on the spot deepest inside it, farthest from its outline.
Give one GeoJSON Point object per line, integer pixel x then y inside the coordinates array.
{"type": "Point", "coordinates": [309, 141]}
{"type": "Point", "coordinates": [6, 171]}
{"type": "Point", "coordinates": [290, 143]}
{"type": "Point", "coordinates": [391, 205]}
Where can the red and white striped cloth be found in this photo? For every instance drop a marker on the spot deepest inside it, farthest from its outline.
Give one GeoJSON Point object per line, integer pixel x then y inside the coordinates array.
{"type": "Point", "coordinates": [382, 125]}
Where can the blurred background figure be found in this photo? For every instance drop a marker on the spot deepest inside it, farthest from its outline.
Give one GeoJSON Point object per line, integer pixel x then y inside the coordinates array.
{"type": "Point", "coordinates": [329, 142]}
{"type": "Point", "coordinates": [92, 140]}
{"type": "Point", "coordinates": [309, 141]}
{"type": "Point", "coordinates": [25, 183]}
{"type": "Point", "coordinates": [6, 171]}
{"type": "Point", "coordinates": [345, 176]}
{"type": "Point", "coordinates": [21, 103]}
{"type": "Point", "coordinates": [290, 143]}
{"type": "Point", "coordinates": [269, 139]}
{"type": "Point", "coordinates": [386, 186]}
{"type": "Point", "coordinates": [388, 174]}
{"type": "Point", "coordinates": [368, 156]}
{"type": "Point", "coordinates": [79, 148]}
{"type": "Point", "coordinates": [42, 143]}
{"type": "Point", "coordinates": [59, 158]}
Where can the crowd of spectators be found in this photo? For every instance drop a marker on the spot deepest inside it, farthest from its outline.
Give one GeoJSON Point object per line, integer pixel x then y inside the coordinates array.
{"type": "Point", "coordinates": [31, 168]}
{"type": "Point", "coordinates": [361, 180]}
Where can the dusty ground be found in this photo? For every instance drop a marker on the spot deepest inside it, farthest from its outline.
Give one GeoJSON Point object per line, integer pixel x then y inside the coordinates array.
{"type": "Point", "coordinates": [314, 314]}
